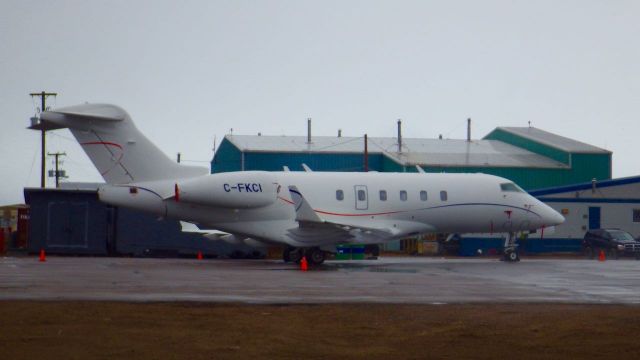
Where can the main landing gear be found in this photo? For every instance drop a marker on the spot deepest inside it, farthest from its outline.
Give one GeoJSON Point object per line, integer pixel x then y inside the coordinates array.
{"type": "Point", "coordinates": [314, 255]}
{"type": "Point", "coordinates": [510, 248]}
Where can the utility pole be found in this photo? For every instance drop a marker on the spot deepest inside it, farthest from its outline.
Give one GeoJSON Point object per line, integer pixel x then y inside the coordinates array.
{"type": "Point", "coordinates": [43, 99]}
{"type": "Point", "coordinates": [58, 173]}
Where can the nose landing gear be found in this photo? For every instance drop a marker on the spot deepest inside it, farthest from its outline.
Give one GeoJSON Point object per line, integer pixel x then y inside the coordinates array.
{"type": "Point", "coordinates": [510, 248]}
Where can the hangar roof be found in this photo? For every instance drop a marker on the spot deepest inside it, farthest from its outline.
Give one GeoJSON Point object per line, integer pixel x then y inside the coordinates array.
{"type": "Point", "coordinates": [426, 152]}
{"type": "Point", "coordinates": [553, 140]}
{"type": "Point", "coordinates": [586, 186]}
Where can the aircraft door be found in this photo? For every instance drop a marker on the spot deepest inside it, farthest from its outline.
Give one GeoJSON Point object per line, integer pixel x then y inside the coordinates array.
{"type": "Point", "coordinates": [362, 197]}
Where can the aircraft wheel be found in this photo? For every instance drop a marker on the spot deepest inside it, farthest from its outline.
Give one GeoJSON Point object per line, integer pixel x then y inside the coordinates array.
{"type": "Point", "coordinates": [512, 256]}
{"type": "Point", "coordinates": [295, 255]}
{"type": "Point", "coordinates": [315, 256]}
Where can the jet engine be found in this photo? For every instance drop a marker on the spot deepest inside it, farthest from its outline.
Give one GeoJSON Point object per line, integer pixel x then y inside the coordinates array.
{"type": "Point", "coordinates": [230, 190]}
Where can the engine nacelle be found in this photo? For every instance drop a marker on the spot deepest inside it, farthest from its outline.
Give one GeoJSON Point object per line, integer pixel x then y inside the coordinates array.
{"type": "Point", "coordinates": [133, 197]}
{"type": "Point", "coordinates": [230, 190]}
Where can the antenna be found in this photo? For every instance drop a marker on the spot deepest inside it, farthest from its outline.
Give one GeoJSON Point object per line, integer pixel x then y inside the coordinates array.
{"type": "Point", "coordinates": [366, 153]}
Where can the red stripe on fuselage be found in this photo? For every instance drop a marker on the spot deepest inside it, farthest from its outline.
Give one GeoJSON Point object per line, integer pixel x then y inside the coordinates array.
{"type": "Point", "coordinates": [342, 214]}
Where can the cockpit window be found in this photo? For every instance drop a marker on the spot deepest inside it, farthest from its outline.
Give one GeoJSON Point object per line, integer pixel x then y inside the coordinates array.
{"type": "Point", "coordinates": [510, 187]}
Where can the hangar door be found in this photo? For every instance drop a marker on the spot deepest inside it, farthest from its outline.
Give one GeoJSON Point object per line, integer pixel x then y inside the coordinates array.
{"type": "Point", "coordinates": [67, 224]}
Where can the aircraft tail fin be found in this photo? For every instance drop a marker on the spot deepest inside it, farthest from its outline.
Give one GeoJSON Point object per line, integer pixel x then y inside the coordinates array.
{"type": "Point", "coordinates": [120, 152]}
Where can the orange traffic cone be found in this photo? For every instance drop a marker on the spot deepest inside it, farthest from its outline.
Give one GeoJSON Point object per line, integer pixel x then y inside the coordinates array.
{"type": "Point", "coordinates": [601, 257]}
{"type": "Point", "coordinates": [303, 264]}
{"type": "Point", "coordinates": [199, 255]}
{"type": "Point", "coordinates": [43, 257]}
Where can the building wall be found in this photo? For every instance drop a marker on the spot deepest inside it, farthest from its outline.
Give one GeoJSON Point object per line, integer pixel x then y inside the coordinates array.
{"type": "Point", "coordinates": [582, 167]}
{"type": "Point", "coordinates": [65, 222]}
{"type": "Point", "coordinates": [585, 167]}
{"type": "Point", "coordinates": [617, 214]}
{"type": "Point", "coordinates": [616, 199]}
{"type": "Point", "coordinates": [227, 158]}
{"type": "Point", "coordinates": [316, 161]}
{"type": "Point", "coordinates": [141, 234]}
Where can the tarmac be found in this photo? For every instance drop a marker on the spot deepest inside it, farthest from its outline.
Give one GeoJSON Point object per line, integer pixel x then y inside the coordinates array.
{"type": "Point", "coordinates": [407, 280]}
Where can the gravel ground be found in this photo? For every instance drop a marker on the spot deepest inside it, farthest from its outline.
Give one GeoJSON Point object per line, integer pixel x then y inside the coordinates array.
{"type": "Point", "coordinates": [106, 330]}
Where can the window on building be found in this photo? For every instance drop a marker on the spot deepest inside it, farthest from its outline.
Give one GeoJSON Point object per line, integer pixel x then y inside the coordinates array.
{"type": "Point", "coordinates": [362, 196]}
{"type": "Point", "coordinates": [443, 195]}
{"type": "Point", "coordinates": [423, 195]}
{"type": "Point", "coordinates": [339, 195]}
{"type": "Point", "coordinates": [403, 195]}
{"type": "Point", "coordinates": [636, 215]}
{"type": "Point", "coordinates": [383, 195]}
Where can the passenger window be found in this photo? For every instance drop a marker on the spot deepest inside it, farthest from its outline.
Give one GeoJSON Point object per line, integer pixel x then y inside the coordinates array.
{"type": "Point", "coordinates": [339, 195]}
{"type": "Point", "coordinates": [361, 195]}
{"type": "Point", "coordinates": [423, 195]}
{"type": "Point", "coordinates": [403, 195]}
{"type": "Point", "coordinates": [443, 195]}
{"type": "Point", "coordinates": [383, 195]}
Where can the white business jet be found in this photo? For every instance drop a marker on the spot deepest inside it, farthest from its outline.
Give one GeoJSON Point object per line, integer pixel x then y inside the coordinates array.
{"type": "Point", "coordinates": [307, 212]}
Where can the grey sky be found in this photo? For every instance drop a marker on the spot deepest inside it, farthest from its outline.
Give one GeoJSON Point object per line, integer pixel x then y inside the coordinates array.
{"type": "Point", "coordinates": [190, 70]}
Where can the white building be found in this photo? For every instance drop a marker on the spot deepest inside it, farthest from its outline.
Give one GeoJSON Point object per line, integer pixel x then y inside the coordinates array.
{"type": "Point", "coordinates": [600, 204]}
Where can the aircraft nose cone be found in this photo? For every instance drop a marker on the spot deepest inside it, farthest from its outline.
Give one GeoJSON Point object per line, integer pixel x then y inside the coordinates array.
{"type": "Point", "coordinates": [553, 218]}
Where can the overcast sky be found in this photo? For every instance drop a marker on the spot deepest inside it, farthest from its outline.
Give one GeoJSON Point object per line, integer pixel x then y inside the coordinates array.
{"type": "Point", "coordinates": [188, 71]}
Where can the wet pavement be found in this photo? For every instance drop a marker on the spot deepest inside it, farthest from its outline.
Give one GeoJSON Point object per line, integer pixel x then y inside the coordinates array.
{"type": "Point", "coordinates": [386, 280]}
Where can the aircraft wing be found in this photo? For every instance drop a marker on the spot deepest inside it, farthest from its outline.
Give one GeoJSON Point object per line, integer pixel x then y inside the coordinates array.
{"type": "Point", "coordinates": [312, 228]}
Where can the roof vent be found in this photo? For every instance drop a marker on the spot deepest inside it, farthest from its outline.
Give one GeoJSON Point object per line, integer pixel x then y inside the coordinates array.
{"type": "Point", "coordinates": [399, 135]}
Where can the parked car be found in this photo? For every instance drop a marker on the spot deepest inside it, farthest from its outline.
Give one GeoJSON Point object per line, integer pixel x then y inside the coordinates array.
{"type": "Point", "coordinates": [614, 242]}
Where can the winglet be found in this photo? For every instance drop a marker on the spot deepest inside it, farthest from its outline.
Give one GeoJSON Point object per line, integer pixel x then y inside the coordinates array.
{"type": "Point", "coordinates": [419, 168]}
{"type": "Point", "coordinates": [304, 211]}
{"type": "Point", "coordinates": [188, 227]}
{"type": "Point", "coordinates": [306, 168]}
